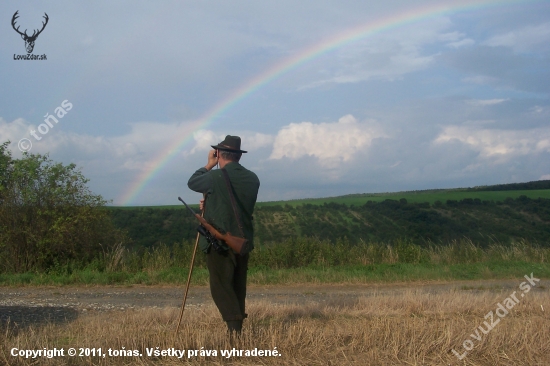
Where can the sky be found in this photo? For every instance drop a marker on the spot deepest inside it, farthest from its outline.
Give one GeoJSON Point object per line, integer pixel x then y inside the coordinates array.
{"type": "Point", "coordinates": [329, 97]}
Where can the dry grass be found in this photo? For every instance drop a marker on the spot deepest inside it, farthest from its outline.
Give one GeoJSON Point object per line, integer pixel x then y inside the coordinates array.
{"type": "Point", "coordinates": [406, 328]}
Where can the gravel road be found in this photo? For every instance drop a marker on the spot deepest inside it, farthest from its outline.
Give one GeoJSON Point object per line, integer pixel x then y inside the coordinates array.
{"type": "Point", "coordinates": [23, 306]}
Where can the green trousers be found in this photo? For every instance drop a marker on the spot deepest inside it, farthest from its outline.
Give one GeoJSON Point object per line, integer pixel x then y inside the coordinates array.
{"type": "Point", "coordinates": [228, 283]}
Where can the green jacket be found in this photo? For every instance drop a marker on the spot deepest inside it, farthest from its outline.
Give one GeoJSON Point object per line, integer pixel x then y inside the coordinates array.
{"type": "Point", "coordinates": [218, 210]}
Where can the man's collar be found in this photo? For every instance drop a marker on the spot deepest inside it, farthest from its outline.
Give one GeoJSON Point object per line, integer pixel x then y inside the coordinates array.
{"type": "Point", "coordinates": [231, 163]}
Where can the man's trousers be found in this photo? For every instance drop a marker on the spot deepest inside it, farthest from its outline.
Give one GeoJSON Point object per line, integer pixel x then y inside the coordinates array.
{"type": "Point", "coordinates": [228, 283]}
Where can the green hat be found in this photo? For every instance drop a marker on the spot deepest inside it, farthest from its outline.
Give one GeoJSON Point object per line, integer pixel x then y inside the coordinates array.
{"type": "Point", "coordinates": [231, 143]}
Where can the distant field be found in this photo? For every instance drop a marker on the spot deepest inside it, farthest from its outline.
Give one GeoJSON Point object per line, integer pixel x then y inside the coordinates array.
{"type": "Point", "coordinates": [430, 196]}
{"type": "Point", "coordinates": [417, 197]}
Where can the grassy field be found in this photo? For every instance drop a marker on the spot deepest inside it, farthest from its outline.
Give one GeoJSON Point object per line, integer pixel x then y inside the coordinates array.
{"type": "Point", "coordinates": [309, 261]}
{"type": "Point", "coordinates": [408, 327]}
{"type": "Point", "coordinates": [430, 196]}
{"type": "Point", "coordinates": [380, 273]}
{"type": "Point", "coordinates": [417, 197]}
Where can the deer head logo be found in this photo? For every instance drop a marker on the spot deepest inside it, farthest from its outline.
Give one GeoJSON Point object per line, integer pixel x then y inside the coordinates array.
{"type": "Point", "coordinates": [29, 40]}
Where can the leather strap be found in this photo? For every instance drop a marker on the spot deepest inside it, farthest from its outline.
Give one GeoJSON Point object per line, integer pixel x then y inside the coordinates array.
{"type": "Point", "coordinates": [230, 189]}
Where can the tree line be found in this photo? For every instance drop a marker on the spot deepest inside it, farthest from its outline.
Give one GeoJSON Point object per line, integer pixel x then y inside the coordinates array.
{"type": "Point", "coordinates": [537, 184]}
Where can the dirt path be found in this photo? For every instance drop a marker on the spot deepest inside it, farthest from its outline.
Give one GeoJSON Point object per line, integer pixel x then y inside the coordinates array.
{"type": "Point", "coordinates": [34, 305]}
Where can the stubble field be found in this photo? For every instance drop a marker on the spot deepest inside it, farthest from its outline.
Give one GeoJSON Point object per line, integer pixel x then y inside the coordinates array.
{"type": "Point", "coordinates": [374, 324]}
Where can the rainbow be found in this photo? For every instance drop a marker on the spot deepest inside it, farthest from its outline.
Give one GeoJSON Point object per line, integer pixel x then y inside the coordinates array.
{"type": "Point", "coordinates": [155, 165]}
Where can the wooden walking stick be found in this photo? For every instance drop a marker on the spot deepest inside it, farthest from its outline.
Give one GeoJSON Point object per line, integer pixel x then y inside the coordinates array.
{"type": "Point", "coordinates": [188, 279]}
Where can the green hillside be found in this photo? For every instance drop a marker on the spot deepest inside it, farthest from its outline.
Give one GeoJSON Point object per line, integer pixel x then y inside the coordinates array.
{"type": "Point", "coordinates": [535, 189]}
{"type": "Point", "coordinates": [483, 214]}
{"type": "Point", "coordinates": [430, 196]}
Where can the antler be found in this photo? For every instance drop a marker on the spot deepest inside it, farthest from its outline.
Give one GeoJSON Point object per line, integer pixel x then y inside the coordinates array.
{"type": "Point", "coordinates": [15, 16]}
{"type": "Point", "coordinates": [34, 34]}
{"type": "Point", "coordinates": [43, 25]}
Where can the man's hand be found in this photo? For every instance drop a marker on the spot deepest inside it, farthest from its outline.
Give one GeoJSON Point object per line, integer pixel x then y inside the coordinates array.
{"type": "Point", "coordinates": [212, 160]}
{"type": "Point", "coordinates": [201, 204]}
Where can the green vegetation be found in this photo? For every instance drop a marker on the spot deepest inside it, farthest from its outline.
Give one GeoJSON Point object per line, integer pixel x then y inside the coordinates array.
{"type": "Point", "coordinates": [48, 217]}
{"type": "Point", "coordinates": [430, 196]}
{"type": "Point", "coordinates": [53, 230]}
{"type": "Point", "coordinates": [308, 260]}
{"type": "Point", "coordinates": [483, 222]}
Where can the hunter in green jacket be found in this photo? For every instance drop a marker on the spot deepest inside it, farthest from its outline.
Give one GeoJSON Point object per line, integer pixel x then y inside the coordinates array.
{"type": "Point", "coordinates": [227, 269]}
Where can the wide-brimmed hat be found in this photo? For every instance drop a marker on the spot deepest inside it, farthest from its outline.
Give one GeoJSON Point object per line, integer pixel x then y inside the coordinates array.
{"type": "Point", "coordinates": [231, 143]}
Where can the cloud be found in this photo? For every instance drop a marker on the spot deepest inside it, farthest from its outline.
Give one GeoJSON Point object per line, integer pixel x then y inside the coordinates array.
{"type": "Point", "coordinates": [462, 43]}
{"type": "Point", "coordinates": [204, 139]}
{"type": "Point", "coordinates": [13, 131]}
{"type": "Point", "coordinates": [450, 36]}
{"type": "Point", "coordinates": [456, 40]}
{"type": "Point", "coordinates": [255, 141]}
{"type": "Point", "coordinates": [330, 143]}
{"type": "Point", "coordinates": [385, 56]}
{"type": "Point", "coordinates": [523, 40]}
{"type": "Point", "coordinates": [483, 70]}
{"type": "Point", "coordinates": [501, 68]}
{"type": "Point", "coordinates": [480, 79]}
{"type": "Point", "coordinates": [130, 151]}
{"type": "Point", "coordinates": [485, 102]}
{"type": "Point", "coordinates": [498, 144]}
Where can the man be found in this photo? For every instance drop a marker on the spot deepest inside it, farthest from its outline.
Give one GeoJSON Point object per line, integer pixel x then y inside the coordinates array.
{"type": "Point", "coordinates": [227, 269]}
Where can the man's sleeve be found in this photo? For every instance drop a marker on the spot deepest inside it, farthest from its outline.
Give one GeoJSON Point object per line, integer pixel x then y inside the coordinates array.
{"type": "Point", "coordinates": [201, 181]}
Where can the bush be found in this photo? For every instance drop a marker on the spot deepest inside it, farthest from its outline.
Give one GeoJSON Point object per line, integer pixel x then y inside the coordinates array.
{"type": "Point", "coordinates": [49, 219]}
